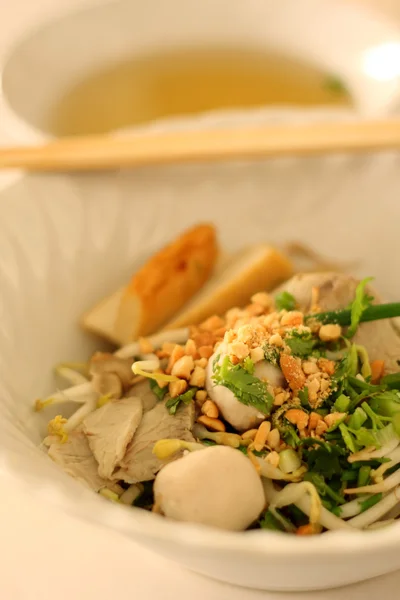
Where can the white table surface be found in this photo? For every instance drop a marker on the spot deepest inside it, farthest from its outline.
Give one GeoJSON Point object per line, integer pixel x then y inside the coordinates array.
{"type": "Point", "coordinates": [47, 555]}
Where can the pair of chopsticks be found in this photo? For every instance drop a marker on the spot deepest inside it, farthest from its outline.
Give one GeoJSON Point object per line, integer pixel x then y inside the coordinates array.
{"type": "Point", "coordinates": [107, 152]}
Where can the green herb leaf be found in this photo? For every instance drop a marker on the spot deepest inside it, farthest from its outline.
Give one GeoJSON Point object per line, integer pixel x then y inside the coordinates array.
{"type": "Point", "coordinates": [285, 301]}
{"type": "Point", "coordinates": [323, 488]}
{"type": "Point", "coordinates": [325, 459]}
{"type": "Point", "coordinates": [248, 365]}
{"type": "Point", "coordinates": [157, 390]}
{"type": "Point", "coordinates": [361, 302]}
{"type": "Point", "coordinates": [247, 389]}
{"type": "Point", "coordinates": [303, 397]}
{"type": "Point", "coordinates": [301, 344]}
{"type": "Point", "coordinates": [271, 354]}
{"type": "Point", "coordinates": [173, 403]}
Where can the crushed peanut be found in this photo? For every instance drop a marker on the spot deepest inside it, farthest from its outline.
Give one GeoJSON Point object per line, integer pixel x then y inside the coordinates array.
{"type": "Point", "coordinates": [273, 458]}
{"type": "Point", "coordinates": [330, 333]}
{"type": "Point", "coordinates": [210, 423]}
{"type": "Point", "coordinates": [257, 354]}
{"type": "Point", "coordinates": [273, 439]}
{"type": "Point", "coordinates": [145, 346]}
{"type": "Point", "coordinates": [177, 353]}
{"type": "Point", "coordinates": [198, 377]}
{"type": "Point", "coordinates": [297, 417]}
{"type": "Point", "coordinates": [210, 409]}
{"type": "Point", "coordinates": [183, 367]}
{"type": "Point", "coordinates": [200, 397]}
{"type": "Point", "coordinates": [276, 340]}
{"type": "Point", "coordinates": [264, 299]}
{"type": "Point", "coordinates": [310, 367]}
{"type": "Point", "coordinates": [176, 388]}
{"type": "Point", "coordinates": [261, 436]}
{"type": "Point", "coordinates": [333, 418]}
{"type": "Point", "coordinates": [201, 362]}
{"type": "Point", "coordinates": [191, 348]}
{"type": "Point", "coordinates": [250, 434]}
{"type": "Point", "coordinates": [206, 351]}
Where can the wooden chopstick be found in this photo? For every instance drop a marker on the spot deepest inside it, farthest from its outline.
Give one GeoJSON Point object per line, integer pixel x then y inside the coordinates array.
{"type": "Point", "coordinates": [108, 152]}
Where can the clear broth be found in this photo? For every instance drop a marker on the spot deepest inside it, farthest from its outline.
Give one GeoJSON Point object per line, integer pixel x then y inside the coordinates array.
{"type": "Point", "coordinates": [189, 81]}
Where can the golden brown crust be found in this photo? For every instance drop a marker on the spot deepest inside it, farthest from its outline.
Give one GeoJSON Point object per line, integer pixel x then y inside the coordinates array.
{"type": "Point", "coordinates": [167, 281]}
{"type": "Point", "coordinates": [269, 269]}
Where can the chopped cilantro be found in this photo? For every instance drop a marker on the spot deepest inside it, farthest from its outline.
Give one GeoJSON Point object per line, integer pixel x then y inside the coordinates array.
{"type": "Point", "coordinates": [301, 344]}
{"type": "Point", "coordinates": [290, 436]}
{"type": "Point", "coordinates": [247, 389]}
{"type": "Point", "coordinates": [271, 354]}
{"type": "Point", "coordinates": [285, 301]}
{"type": "Point", "coordinates": [173, 403]}
{"type": "Point", "coordinates": [323, 488]}
{"type": "Point", "coordinates": [303, 397]}
{"type": "Point", "coordinates": [361, 302]}
{"type": "Point", "coordinates": [325, 459]}
{"type": "Point", "coordinates": [157, 390]}
{"type": "Point", "coordinates": [248, 365]}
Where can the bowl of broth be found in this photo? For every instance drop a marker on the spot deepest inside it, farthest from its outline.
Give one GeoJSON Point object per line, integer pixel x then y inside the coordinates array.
{"type": "Point", "coordinates": [128, 64]}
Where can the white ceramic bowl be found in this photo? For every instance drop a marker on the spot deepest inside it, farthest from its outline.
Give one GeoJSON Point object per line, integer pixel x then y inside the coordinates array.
{"type": "Point", "coordinates": [67, 240]}
{"type": "Point", "coordinates": [354, 43]}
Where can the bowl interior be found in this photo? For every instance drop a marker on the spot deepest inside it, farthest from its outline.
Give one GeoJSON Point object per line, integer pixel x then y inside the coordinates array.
{"type": "Point", "coordinates": [300, 28]}
{"type": "Point", "coordinates": [65, 241]}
